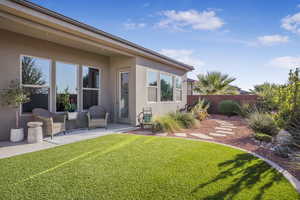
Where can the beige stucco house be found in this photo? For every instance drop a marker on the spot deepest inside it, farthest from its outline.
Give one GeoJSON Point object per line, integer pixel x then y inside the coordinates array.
{"type": "Point", "coordinates": [53, 55]}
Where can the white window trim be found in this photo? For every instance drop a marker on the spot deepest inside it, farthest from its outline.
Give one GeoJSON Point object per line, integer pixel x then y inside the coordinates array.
{"type": "Point", "coordinates": [90, 89]}
{"type": "Point", "coordinates": [148, 86]}
{"type": "Point", "coordinates": [49, 86]}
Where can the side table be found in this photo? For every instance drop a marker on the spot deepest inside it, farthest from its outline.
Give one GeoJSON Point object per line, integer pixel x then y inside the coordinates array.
{"type": "Point", "coordinates": [35, 132]}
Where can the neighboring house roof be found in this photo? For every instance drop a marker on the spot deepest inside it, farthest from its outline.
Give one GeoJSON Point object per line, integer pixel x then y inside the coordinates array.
{"type": "Point", "coordinates": [98, 31]}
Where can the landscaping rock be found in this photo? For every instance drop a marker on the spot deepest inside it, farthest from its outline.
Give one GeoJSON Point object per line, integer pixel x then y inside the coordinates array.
{"type": "Point", "coordinates": [282, 151]}
{"type": "Point", "coordinates": [284, 138]}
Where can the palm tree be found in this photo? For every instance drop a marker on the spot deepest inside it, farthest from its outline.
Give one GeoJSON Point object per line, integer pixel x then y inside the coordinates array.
{"type": "Point", "coordinates": [215, 83]}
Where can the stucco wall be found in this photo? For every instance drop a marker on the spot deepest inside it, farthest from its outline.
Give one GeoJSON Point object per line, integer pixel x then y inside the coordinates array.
{"type": "Point", "coordinates": [12, 45]}
{"type": "Point", "coordinates": [158, 108]}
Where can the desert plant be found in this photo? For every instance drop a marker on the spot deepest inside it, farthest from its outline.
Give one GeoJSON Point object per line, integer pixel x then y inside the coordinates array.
{"type": "Point", "coordinates": [288, 98]}
{"type": "Point", "coordinates": [262, 123]}
{"type": "Point", "coordinates": [246, 109]}
{"type": "Point", "coordinates": [294, 129]}
{"type": "Point", "coordinates": [200, 109]}
{"type": "Point", "coordinates": [267, 93]}
{"type": "Point", "coordinates": [215, 83]}
{"type": "Point", "coordinates": [228, 107]}
{"type": "Point", "coordinates": [14, 97]}
{"type": "Point", "coordinates": [263, 137]}
{"type": "Point", "coordinates": [165, 123]}
{"type": "Point", "coordinates": [185, 120]}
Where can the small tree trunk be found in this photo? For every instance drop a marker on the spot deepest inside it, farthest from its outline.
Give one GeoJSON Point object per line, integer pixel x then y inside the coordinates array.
{"type": "Point", "coordinates": [17, 118]}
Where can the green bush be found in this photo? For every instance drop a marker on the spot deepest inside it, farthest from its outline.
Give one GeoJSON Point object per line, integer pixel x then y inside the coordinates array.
{"type": "Point", "coordinates": [262, 123]}
{"type": "Point", "coordinates": [263, 137]}
{"type": "Point", "coordinates": [185, 120]}
{"type": "Point", "coordinates": [166, 123]}
{"type": "Point", "coordinates": [228, 107]}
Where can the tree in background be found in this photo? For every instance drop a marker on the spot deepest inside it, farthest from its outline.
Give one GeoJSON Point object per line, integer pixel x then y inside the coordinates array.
{"type": "Point", "coordinates": [30, 74]}
{"type": "Point", "coordinates": [268, 94]}
{"type": "Point", "coordinates": [215, 83]}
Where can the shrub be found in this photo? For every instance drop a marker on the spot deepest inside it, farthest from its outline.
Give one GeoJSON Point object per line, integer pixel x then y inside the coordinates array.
{"type": "Point", "coordinates": [166, 123]}
{"type": "Point", "coordinates": [228, 107]}
{"type": "Point", "coordinates": [185, 120]}
{"type": "Point", "coordinates": [246, 109]}
{"type": "Point", "coordinates": [263, 137]}
{"type": "Point", "coordinates": [262, 123]}
{"type": "Point", "coordinates": [294, 129]}
{"type": "Point", "coordinates": [200, 109]}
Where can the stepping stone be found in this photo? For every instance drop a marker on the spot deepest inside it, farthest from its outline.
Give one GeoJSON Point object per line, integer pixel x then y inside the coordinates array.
{"type": "Point", "coordinates": [224, 129]}
{"type": "Point", "coordinates": [201, 136]}
{"type": "Point", "coordinates": [180, 134]}
{"type": "Point", "coordinates": [225, 132]}
{"type": "Point", "coordinates": [217, 134]}
{"type": "Point", "coordinates": [162, 134]}
{"type": "Point", "coordinates": [228, 126]}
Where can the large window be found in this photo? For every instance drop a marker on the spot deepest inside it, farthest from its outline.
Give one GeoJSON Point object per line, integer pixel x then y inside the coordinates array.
{"type": "Point", "coordinates": [152, 85]}
{"type": "Point", "coordinates": [178, 88]}
{"type": "Point", "coordinates": [166, 87]}
{"type": "Point", "coordinates": [91, 87]}
{"type": "Point", "coordinates": [66, 87]}
{"type": "Point", "coordinates": [36, 82]}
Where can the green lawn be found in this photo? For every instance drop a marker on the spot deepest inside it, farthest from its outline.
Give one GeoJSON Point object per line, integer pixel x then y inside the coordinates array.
{"type": "Point", "coordinates": [141, 167]}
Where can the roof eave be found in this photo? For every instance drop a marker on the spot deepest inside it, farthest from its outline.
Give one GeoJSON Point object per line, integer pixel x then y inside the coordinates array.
{"type": "Point", "coordinates": [98, 31]}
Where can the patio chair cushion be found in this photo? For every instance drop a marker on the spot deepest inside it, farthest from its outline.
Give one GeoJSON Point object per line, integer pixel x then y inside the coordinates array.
{"type": "Point", "coordinates": [97, 117]}
{"type": "Point", "coordinates": [97, 112]}
{"type": "Point", "coordinates": [147, 118]}
{"type": "Point", "coordinates": [57, 126]}
{"type": "Point", "coordinates": [52, 123]}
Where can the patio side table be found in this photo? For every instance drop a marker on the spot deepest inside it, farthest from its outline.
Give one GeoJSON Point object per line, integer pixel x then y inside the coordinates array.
{"type": "Point", "coordinates": [35, 132]}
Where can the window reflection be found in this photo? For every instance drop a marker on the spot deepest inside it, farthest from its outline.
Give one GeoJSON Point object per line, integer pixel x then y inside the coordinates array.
{"type": "Point", "coordinates": [66, 87]}
{"type": "Point", "coordinates": [166, 88]}
{"type": "Point", "coordinates": [35, 81]}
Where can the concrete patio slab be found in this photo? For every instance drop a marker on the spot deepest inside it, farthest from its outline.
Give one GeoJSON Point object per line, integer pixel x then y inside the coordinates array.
{"type": "Point", "coordinates": [8, 149]}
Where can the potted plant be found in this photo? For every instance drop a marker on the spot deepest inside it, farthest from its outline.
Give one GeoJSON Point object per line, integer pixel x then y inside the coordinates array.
{"type": "Point", "coordinates": [69, 107]}
{"type": "Point", "coordinates": [14, 97]}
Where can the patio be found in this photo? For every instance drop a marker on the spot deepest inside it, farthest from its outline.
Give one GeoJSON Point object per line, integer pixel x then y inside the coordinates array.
{"type": "Point", "coordinates": [8, 149]}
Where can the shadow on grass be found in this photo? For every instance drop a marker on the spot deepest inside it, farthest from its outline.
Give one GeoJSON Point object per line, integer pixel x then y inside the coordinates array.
{"type": "Point", "coordinates": [245, 171]}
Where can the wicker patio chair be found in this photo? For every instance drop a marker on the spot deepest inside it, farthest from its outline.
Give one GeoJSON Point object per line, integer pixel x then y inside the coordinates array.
{"type": "Point", "coordinates": [52, 123]}
{"type": "Point", "coordinates": [97, 117]}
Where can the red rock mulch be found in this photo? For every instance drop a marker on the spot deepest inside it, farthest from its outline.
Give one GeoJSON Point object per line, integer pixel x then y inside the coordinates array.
{"type": "Point", "coordinates": [242, 139]}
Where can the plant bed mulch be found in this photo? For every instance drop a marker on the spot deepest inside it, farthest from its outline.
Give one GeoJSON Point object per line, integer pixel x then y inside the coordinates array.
{"type": "Point", "coordinates": [241, 138]}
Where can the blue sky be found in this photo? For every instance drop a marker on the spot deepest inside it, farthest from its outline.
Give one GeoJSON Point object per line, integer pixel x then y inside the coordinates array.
{"type": "Point", "coordinates": [252, 40]}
